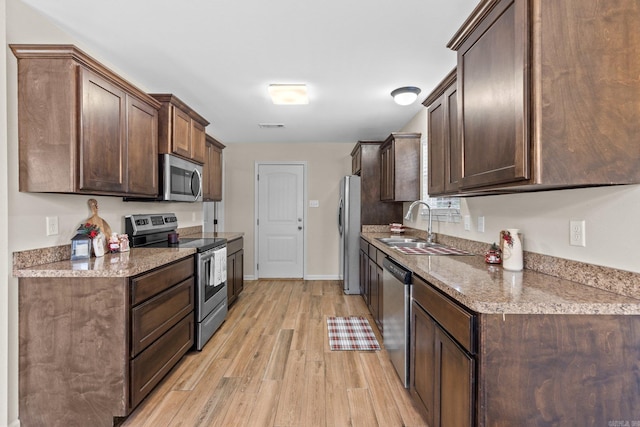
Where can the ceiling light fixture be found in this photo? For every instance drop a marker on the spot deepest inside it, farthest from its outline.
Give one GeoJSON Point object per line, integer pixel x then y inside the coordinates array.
{"type": "Point", "coordinates": [289, 94]}
{"type": "Point", "coordinates": [405, 95]}
{"type": "Point", "coordinates": [271, 125]}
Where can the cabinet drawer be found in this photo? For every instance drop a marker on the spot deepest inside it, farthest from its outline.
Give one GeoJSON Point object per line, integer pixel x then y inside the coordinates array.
{"type": "Point", "coordinates": [235, 245]}
{"type": "Point", "coordinates": [373, 251]}
{"type": "Point", "coordinates": [458, 322]}
{"type": "Point", "coordinates": [154, 317]}
{"type": "Point", "coordinates": [150, 284]}
{"type": "Point", "coordinates": [364, 246]}
{"type": "Point", "coordinates": [157, 360]}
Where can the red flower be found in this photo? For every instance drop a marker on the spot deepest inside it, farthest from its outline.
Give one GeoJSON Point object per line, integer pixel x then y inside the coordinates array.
{"type": "Point", "coordinates": [507, 238]}
{"type": "Point", "coordinates": [89, 229]}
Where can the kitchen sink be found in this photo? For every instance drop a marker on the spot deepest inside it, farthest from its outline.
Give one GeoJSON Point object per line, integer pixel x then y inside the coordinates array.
{"type": "Point", "coordinates": [415, 244]}
{"type": "Point", "coordinates": [393, 241]}
{"type": "Point", "coordinates": [418, 246]}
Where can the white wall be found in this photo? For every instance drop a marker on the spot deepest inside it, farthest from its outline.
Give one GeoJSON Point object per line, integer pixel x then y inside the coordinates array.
{"type": "Point", "coordinates": [612, 216]}
{"type": "Point", "coordinates": [326, 164]}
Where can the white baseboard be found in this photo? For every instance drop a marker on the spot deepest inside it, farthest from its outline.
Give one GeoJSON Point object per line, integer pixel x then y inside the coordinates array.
{"type": "Point", "coordinates": [14, 423]}
{"type": "Point", "coordinates": [322, 277]}
{"type": "Point", "coordinates": [308, 277]}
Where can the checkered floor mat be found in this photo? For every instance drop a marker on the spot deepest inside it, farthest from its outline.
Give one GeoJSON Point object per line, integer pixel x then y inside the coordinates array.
{"type": "Point", "coordinates": [351, 333]}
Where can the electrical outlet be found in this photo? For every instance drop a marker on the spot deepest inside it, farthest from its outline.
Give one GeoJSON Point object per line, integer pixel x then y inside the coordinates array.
{"type": "Point", "coordinates": [52, 225]}
{"type": "Point", "coordinates": [480, 224]}
{"type": "Point", "coordinates": [577, 234]}
{"type": "Point", "coordinates": [467, 223]}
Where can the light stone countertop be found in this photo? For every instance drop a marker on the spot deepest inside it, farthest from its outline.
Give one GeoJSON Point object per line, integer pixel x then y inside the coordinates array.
{"type": "Point", "coordinates": [122, 264]}
{"type": "Point", "coordinates": [230, 236]}
{"type": "Point", "coordinates": [490, 289]}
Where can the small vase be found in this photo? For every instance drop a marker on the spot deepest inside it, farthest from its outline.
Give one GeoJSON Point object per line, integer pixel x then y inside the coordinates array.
{"type": "Point", "coordinates": [512, 250]}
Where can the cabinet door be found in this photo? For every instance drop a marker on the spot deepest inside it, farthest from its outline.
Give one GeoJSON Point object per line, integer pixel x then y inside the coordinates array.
{"type": "Point", "coordinates": [436, 115]}
{"type": "Point", "coordinates": [494, 112]}
{"type": "Point", "coordinates": [212, 173]}
{"type": "Point", "coordinates": [215, 183]}
{"type": "Point", "coordinates": [206, 172]}
{"type": "Point", "coordinates": [103, 151]}
{"type": "Point", "coordinates": [231, 295]}
{"type": "Point", "coordinates": [197, 142]}
{"type": "Point", "coordinates": [375, 288]}
{"type": "Point", "coordinates": [453, 150]}
{"type": "Point", "coordinates": [181, 134]}
{"type": "Point", "coordinates": [364, 270]}
{"type": "Point", "coordinates": [378, 315]}
{"type": "Point", "coordinates": [356, 162]}
{"type": "Point", "coordinates": [386, 173]}
{"type": "Point", "coordinates": [445, 156]}
{"type": "Point", "coordinates": [142, 147]}
{"type": "Point", "coordinates": [423, 355]}
{"type": "Point", "coordinates": [238, 284]}
{"type": "Point", "coordinates": [455, 371]}
{"type": "Point", "coordinates": [235, 275]}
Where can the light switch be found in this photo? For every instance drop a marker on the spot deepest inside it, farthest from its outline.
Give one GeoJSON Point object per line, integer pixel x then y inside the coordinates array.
{"type": "Point", "coordinates": [314, 203]}
{"type": "Point", "coordinates": [481, 224]}
{"type": "Point", "coordinates": [467, 223]}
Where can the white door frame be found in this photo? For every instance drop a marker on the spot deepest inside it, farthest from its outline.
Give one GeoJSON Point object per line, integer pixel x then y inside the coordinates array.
{"type": "Point", "coordinates": [256, 253]}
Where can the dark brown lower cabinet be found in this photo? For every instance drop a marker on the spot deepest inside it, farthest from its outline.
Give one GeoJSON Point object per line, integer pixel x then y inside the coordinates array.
{"type": "Point", "coordinates": [364, 270]}
{"type": "Point", "coordinates": [235, 269]}
{"type": "Point", "coordinates": [92, 348]}
{"type": "Point", "coordinates": [371, 279]}
{"type": "Point", "coordinates": [442, 374]}
{"type": "Point", "coordinates": [375, 292]}
{"type": "Point", "coordinates": [530, 369]}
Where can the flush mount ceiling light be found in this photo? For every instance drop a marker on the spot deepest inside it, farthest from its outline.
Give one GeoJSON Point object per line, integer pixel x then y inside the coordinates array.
{"type": "Point", "coordinates": [289, 94]}
{"type": "Point", "coordinates": [270, 125]}
{"type": "Point", "coordinates": [405, 95]}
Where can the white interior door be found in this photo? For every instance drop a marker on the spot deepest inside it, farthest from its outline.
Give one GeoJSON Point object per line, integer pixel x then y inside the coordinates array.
{"type": "Point", "coordinates": [280, 221]}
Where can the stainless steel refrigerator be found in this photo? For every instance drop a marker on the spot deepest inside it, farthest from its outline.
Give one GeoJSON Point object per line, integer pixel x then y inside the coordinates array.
{"type": "Point", "coordinates": [349, 229]}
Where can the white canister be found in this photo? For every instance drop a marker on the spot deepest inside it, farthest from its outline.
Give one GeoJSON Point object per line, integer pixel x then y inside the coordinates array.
{"type": "Point", "coordinates": [511, 249]}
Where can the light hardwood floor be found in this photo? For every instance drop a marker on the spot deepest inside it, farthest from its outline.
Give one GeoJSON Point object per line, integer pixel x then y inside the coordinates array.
{"type": "Point", "coordinates": [270, 365]}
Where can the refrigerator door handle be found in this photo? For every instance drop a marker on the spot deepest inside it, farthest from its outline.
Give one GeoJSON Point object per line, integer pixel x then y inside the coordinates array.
{"type": "Point", "coordinates": [340, 210]}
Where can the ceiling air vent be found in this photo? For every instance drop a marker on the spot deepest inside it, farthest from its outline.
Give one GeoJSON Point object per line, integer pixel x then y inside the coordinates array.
{"type": "Point", "coordinates": [271, 125]}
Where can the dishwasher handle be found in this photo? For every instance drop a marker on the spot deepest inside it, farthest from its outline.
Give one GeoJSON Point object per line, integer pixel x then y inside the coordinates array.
{"type": "Point", "coordinates": [396, 270]}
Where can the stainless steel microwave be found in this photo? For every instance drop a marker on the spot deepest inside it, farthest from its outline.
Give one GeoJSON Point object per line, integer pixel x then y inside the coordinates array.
{"type": "Point", "coordinates": [180, 180]}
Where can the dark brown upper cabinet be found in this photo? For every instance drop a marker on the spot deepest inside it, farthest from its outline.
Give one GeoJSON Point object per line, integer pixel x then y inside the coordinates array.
{"type": "Point", "coordinates": [181, 129]}
{"type": "Point", "coordinates": [400, 167]}
{"type": "Point", "coordinates": [548, 94]}
{"type": "Point", "coordinates": [212, 171]}
{"type": "Point", "coordinates": [81, 127]}
{"type": "Point", "coordinates": [366, 155]}
{"type": "Point", "coordinates": [445, 157]}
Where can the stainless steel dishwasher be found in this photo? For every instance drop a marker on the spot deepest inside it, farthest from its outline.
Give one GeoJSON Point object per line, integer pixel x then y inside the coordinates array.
{"type": "Point", "coordinates": [396, 316]}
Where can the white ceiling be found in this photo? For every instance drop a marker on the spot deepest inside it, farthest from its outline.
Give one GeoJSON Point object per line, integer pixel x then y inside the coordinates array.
{"type": "Point", "coordinates": [218, 56]}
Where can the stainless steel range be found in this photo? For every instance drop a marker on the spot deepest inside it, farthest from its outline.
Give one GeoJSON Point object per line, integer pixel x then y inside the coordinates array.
{"type": "Point", "coordinates": [157, 231]}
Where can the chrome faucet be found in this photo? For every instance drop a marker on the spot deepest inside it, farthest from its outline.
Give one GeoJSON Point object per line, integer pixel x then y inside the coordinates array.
{"type": "Point", "coordinates": [409, 217]}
